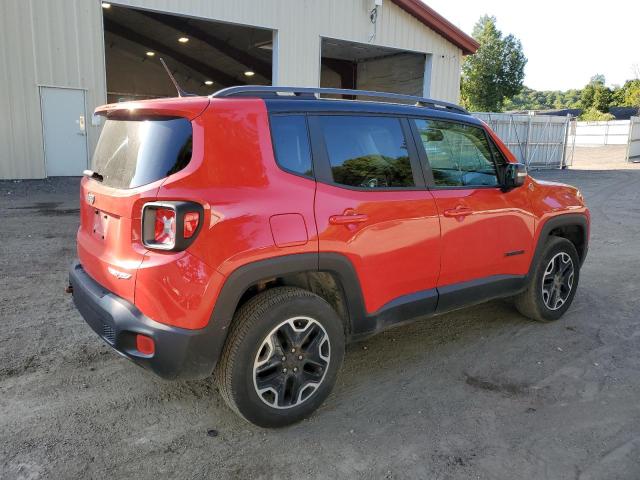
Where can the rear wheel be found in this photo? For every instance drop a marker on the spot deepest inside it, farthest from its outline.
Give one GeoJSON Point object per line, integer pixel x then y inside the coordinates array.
{"type": "Point", "coordinates": [282, 357]}
{"type": "Point", "coordinates": [553, 283]}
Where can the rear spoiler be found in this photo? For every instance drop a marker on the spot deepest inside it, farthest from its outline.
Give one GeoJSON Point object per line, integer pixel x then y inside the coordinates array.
{"type": "Point", "coordinates": [186, 107]}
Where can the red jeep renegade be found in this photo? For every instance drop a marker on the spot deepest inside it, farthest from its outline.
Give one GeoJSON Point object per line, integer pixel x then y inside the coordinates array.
{"type": "Point", "coordinates": [252, 233]}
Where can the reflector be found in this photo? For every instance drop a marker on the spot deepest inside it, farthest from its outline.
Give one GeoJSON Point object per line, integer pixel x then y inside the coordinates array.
{"type": "Point", "coordinates": [191, 220]}
{"type": "Point", "coordinates": [145, 345]}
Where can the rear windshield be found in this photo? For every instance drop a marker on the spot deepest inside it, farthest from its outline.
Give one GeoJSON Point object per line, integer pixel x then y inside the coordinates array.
{"type": "Point", "coordinates": [131, 153]}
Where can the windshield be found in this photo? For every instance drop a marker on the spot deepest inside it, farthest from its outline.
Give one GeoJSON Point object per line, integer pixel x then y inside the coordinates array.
{"type": "Point", "coordinates": [131, 153]}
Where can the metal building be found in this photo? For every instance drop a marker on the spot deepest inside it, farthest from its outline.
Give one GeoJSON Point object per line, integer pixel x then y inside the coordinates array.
{"type": "Point", "coordinates": [59, 59]}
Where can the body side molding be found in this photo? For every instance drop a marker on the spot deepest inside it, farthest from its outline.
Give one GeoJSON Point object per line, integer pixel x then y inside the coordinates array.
{"type": "Point", "coordinates": [409, 307]}
{"type": "Point", "coordinates": [460, 295]}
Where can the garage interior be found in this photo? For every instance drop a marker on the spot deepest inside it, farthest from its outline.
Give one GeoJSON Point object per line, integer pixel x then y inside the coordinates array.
{"type": "Point", "coordinates": [204, 56]}
{"type": "Point", "coordinates": [370, 67]}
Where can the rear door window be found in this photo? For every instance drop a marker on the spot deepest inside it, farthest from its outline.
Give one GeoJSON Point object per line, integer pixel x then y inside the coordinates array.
{"type": "Point", "coordinates": [458, 154]}
{"type": "Point", "coordinates": [367, 151]}
{"type": "Point", "coordinates": [131, 153]}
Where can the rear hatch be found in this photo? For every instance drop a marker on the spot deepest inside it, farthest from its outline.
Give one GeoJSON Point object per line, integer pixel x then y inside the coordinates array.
{"type": "Point", "coordinates": [141, 145]}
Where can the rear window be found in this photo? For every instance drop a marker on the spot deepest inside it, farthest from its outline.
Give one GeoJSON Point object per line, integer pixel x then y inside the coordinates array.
{"type": "Point", "coordinates": [131, 153]}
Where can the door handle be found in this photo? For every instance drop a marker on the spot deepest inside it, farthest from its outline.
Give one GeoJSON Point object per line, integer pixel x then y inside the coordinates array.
{"type": "Point", "coordinates": [348, 218]}
{"type": "Point", "coordinates": [458, 212]}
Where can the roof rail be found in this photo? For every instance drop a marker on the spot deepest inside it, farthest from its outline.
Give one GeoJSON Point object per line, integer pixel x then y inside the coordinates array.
{"type": "Point", "coordinates": [313, 92]}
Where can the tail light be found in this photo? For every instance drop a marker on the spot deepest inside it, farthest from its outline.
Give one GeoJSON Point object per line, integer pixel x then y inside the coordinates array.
{"type": "Point", "coordinates": [165, 227]}
{"type": "Point", "coordinates": [170, 225]}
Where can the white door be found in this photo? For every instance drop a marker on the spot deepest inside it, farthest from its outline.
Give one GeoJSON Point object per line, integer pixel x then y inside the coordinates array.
{"type": "Point", "coordinates": [65, 135]}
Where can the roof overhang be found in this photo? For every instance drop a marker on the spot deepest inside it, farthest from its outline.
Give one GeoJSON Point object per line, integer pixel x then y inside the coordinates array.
{"type": "Point", "coordinates": [439, 24]}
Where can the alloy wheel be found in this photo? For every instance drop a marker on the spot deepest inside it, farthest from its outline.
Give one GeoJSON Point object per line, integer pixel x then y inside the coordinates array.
{"type": "Point", "coordinates": [557, 281]}
{"type": "Point", "coordinates": [291, 362]}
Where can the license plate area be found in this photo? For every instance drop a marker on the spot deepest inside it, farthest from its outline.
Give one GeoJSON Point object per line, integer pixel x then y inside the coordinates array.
{"type": "Point", "coordinates": [102, 223]}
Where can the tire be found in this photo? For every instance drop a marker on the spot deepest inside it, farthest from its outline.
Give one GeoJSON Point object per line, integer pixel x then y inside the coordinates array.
{"type": "Point", "coordinates": [251, 372]}
{"type": "Point", "coordinates": [549, 301]}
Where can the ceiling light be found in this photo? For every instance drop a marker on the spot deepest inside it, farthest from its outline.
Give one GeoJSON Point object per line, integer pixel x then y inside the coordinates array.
{"type": "Point", "coordinates": [208, 82]}
{"type": "Point", "coordinates": [106, 5]}
{"type": "Point", "coordinates": [150, 54]}
{"type": "Point", "coordinates": [183, 39]}
{"type": "Point", "coordinates": [268, 45]}
{"type": "Point", "coordinates": [249, 73]}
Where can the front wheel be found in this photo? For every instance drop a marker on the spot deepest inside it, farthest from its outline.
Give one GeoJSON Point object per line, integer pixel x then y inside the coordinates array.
{"type": "Point", "coordinates": [553, 283]}
{"type": "Point", "coordinates": [282, 357]}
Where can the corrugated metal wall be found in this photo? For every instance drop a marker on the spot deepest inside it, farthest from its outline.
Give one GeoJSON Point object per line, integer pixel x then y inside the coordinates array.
{"type": "Point", "coordinates": [302, 23]}
{"type": "Point", "coordinates": [60, 43]}
{"type": "Point", "coordinates": [44, 43]}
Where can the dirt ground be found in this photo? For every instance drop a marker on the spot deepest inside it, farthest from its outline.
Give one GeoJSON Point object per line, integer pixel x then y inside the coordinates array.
{"type": "Point", "coordinates": [480, 393]}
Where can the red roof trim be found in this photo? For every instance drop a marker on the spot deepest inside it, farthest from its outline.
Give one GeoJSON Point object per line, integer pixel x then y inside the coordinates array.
{"type": "Point", "coordinates": [439, 24]}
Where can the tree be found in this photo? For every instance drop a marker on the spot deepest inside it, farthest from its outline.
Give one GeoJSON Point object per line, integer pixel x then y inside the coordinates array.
{"type": "Point", "coordinates": [631, 93]}
{"type": "Point", "coordinates": [586, 97]}
{"type": "Point", "coordinates": [595, 95]}
{"type": "Point", "coordinates": [602, 98]}
{"type": "Point", "coordinates": [594, 115]}
{"type": "Point", "coordinates": [495, 72]}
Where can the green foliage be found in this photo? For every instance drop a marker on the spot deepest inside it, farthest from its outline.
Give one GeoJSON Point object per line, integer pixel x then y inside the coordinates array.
{"type": "Point", "coordinates": [595, 115]}
{"type": "Point", "coordinates": [594, 96]}
{"type": "Point", "coordinates": [630, 93]}
{"type": "Point", "coordinates": [495, 72]}
{"type": "Point", "coordinates": [602, 98]}
{"type": "Point", "coordinates": [383, 171]}
{"type": "Point", "coordinates": [586, 96]}
{"type": "Point", "coordinates": [529, 99]}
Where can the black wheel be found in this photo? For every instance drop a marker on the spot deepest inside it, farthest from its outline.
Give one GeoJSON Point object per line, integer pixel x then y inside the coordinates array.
{"type": "Point", "coordinates": [553, 284]}
{"type": "Point", "coordinates": [282, 357]}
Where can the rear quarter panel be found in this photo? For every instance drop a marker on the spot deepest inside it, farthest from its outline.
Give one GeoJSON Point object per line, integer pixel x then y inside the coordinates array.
{"type": "Point", "coordinates": [234, 175]}
{"type": "Point", "coordinates": [241, 188]}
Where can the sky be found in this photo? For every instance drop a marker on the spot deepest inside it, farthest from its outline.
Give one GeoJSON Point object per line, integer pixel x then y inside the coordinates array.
{"type": "Point", "coordinates": [565, 41]}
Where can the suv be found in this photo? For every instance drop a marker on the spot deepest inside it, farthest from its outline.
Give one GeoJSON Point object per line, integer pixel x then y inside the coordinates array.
{"type": "Point", "coordinates": [253, 233]}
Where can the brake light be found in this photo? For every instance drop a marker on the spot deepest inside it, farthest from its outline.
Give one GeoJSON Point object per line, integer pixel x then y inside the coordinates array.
{"type": "Point", "coordinates": [170, 225]}
{"type": "Point", "coordinates": [165, 227]}
{"type": "Point", "coordinates": [191, 220]}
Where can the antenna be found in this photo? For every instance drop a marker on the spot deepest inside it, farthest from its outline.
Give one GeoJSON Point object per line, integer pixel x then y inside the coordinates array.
{"type": "Point", "coordinates": [181, 92]}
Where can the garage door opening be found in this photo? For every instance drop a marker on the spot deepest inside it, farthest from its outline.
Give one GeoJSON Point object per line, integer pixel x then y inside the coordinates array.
{"type": "Point", "coordinates": [370, 67]}
{"type": "Point", "coordinates": [203, 55]}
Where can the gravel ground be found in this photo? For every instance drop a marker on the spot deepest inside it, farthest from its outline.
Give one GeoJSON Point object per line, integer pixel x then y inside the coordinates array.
{"type": "Point", "coordinates": [480, 393]}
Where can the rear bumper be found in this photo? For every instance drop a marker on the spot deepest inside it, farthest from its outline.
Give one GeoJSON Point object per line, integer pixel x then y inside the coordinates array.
{"type": "Point", "coordinates": [179, 353]}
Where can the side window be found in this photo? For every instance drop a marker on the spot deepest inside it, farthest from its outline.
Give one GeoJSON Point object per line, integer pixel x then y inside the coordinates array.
{"type": "Point", "coordinates": [291, 143]}
{"type": "Point", "coordinates": [498, 156]}
{"type": "Point", "coordinates": [458, 154]}
{"type": "Point", "coordinates": [367, 152]}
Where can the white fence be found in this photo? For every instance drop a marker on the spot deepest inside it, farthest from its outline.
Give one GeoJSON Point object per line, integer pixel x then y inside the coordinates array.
{"type": "Point", "coordinates": [612, 132]}
{"type": "Point", "coordinates": [633, 150]}
{"type": "Point", "coordinates": [538, 141]}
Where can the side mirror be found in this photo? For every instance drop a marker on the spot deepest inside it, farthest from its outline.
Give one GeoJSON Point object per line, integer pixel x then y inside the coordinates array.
{"type": "Point", "coordinates": [514, 175]}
